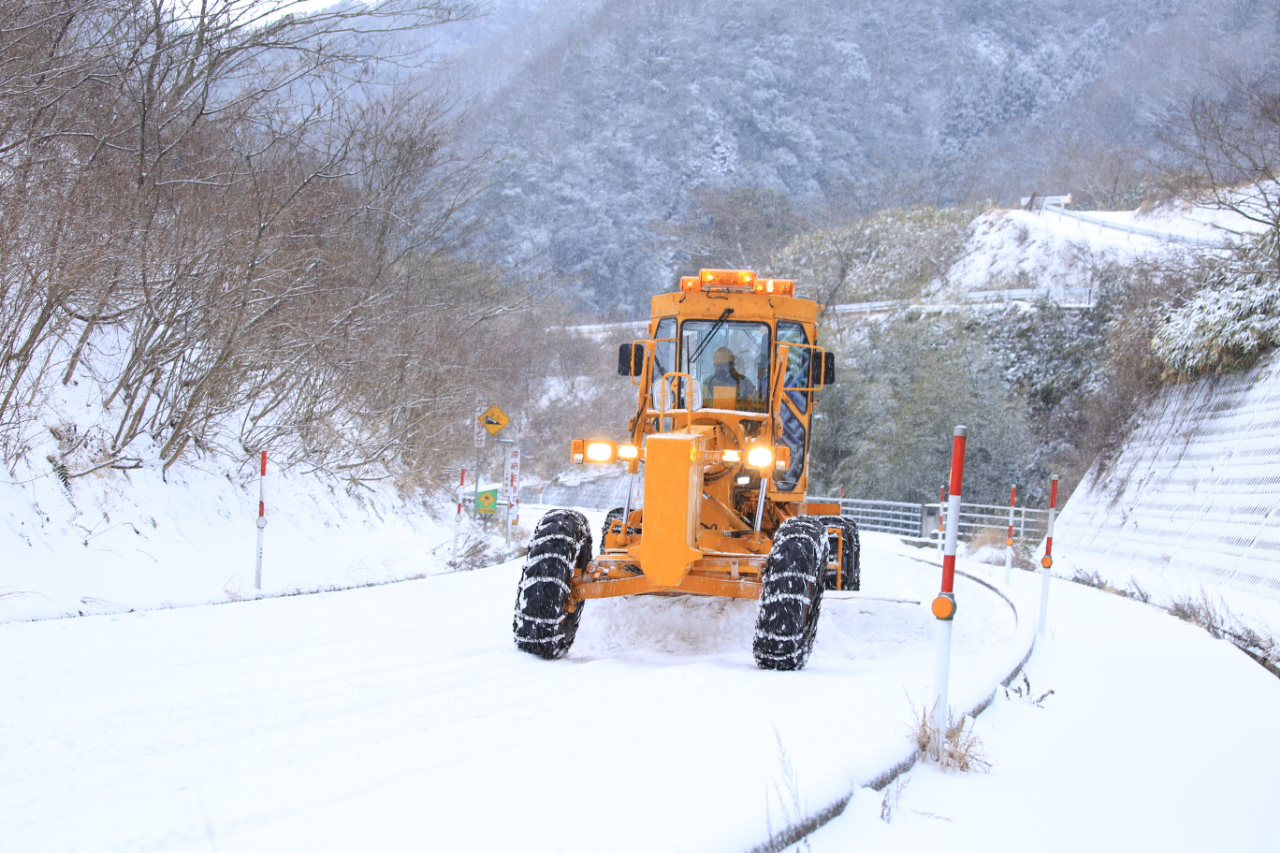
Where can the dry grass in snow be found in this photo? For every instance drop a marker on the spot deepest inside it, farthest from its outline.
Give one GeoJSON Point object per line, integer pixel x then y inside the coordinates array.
{"type": "Point", "coordinates": [958, 748]}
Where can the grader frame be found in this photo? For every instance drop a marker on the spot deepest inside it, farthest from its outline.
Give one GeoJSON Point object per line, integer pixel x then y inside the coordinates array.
{"type": "Point", "coordinates": [726, 385]}
{"type": "Point", "coordinates": [702, 529]}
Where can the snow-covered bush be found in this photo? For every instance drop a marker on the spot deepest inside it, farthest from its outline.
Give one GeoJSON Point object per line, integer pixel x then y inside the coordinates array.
{"type": "Point", "coordinates": [1049, 353]}
{"type": "Point", "coordinates": [1226, 326]}
{"type": "Point", "coordinates": [891, 254]}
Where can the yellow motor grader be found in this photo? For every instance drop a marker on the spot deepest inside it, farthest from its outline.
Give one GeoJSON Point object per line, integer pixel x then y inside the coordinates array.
{"type": "Point", "coordinates": [725, 387]}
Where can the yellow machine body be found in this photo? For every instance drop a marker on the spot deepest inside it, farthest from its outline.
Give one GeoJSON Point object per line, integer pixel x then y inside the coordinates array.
{"type": "Point", "coordinates": [709, 507]}
{"type": "Point", "coordinates": [673, 470]}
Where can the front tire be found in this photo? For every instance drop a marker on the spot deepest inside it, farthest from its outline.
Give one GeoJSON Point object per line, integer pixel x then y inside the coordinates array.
{"type": "Point", "coordinates": [543, 623]}
{"type": "Point", "coordinates": [791, 600]}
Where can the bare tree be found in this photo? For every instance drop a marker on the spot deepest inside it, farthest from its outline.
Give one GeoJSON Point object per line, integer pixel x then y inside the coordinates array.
{"type": "Point", "coordinates": [736, 228]}
{"type": "Point", "coordinates": [238, 221]}
{"type": "Point", "coordinates": [1234, 137]}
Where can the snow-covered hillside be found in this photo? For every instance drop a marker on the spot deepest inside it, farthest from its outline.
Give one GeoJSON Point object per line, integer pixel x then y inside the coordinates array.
{"type": "Point", "coordinates": [620, 117]}
{"type": "Point", "coordinates": [1059, 252]}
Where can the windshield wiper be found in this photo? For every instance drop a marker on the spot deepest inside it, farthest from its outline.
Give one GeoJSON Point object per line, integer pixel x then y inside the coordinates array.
{"type": "Point", "coordinates": [710, 334]}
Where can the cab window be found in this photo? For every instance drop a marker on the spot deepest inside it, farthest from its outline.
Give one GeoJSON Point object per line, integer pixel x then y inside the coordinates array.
{"type": "Point", "coordinates": [728, 362]}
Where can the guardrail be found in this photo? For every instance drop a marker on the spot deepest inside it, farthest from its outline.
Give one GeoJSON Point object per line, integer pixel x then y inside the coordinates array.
{"type": "Point", "coordinates": [1067, 297]}
{"type": "Point", "coordinates": [900, 519]}
{"type": "Point", "coordinates": [1167, 236]}
{"type": "Point", "coordinates": [1027, 523]}
{"type": "Point", "coordinates": [920, 521]}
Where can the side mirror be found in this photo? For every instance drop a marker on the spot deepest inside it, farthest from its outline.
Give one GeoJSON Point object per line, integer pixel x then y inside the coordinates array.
{"type": "Point", "coordinates": [630, 359]}
{"type": "Point", "coordinates": [828, 368]}
{"type": "Point", "coordinates": [815, 367]}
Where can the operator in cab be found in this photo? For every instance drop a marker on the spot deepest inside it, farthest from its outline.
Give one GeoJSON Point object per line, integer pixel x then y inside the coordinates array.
{"type": "Point", "coordinates": [726, 388]}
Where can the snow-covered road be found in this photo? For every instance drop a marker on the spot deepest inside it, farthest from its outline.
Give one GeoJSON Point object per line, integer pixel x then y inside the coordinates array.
{"type": "Point", "coordinates": [402, 717]}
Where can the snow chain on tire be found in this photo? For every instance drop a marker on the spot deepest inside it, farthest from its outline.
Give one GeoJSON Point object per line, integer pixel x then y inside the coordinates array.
{"type": "Point", "coordinates": [852, 551]}
{"type": "Point", "coordinates": [543, 626]}
{"type": "Point", "coordinates": [792, 596]}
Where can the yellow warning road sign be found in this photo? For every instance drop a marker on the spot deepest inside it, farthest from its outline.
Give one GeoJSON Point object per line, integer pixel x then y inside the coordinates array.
{"type": "Point", "coordinates": [494, 419]}
{"type": "Point", "coordinates": [487, 501]}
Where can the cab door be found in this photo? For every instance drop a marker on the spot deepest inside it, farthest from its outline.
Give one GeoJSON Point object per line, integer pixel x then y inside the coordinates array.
{"type": "Point", "coordinates": [796, 406]}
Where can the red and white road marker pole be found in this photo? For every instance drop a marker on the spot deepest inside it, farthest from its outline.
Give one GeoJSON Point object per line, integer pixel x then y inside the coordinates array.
{"type": "Point", "coordinates": [1046, 562]}
{"type": "Point", "coordinates": [1008, 542]}
{"type": "Point", "coordinates": [457, 519]}
{"type": "Point", "coordinates": [261, 522]}
{"type": "Point", "coordinates": [942, 518]}
{"type": "Point", "coordinates": [944, 606]}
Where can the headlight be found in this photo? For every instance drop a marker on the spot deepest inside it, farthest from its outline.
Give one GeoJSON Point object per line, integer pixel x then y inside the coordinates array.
{"type": "Point", "coordinates": [759, 457]}
{"type": "Point", "coordinates": [628, 451]}
{"type": "Point", "coordinates": [732, 456]}
{"type": "Point", "coordinates": [601, 451]}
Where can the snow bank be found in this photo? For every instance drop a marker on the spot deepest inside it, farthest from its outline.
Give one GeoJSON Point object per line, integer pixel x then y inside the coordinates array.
{"type": "Point", "coordinates": [115, 541]}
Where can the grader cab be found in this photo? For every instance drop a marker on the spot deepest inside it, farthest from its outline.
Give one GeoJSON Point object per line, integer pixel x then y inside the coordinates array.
{"type": "Point", "coordinates": [726, 385]}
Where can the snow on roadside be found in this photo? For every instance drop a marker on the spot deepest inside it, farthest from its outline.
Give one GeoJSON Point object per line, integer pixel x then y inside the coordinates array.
{"type": "Point", "coordinates": [1156, 737]}
{"type": "Point", "coordinates": [1191, 501]}
{"type": "Point", "coordinates": [117, 541]}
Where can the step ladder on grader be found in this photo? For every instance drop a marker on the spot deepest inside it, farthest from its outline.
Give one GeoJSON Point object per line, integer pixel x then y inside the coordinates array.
{"type": "Point", "coordinates": [726, 390]}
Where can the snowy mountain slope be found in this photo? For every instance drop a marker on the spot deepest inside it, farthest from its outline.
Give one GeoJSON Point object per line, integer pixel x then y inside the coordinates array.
{"type": "Point", "coordinates": [482, 56]}
{"type": "Point", "coordinates": [609, 130]}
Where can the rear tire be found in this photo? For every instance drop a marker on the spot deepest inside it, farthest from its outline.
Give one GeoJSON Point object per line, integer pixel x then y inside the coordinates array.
{"type": "Point", "coordinates": [850, 566]}
{"type": "Point", "coordinates": [543, 625]}
{"type": "Point", "coordinates": [791, 600]}
{"type": "Point", "coordinates": [611, 516]}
